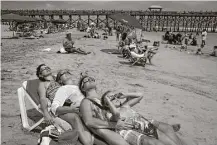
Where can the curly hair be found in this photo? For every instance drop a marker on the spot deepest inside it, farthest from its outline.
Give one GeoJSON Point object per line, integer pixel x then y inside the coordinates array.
{"type": "Point", "coordinates": [38, 71]}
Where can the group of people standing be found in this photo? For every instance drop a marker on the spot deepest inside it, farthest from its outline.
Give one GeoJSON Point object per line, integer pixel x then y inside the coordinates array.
{"type": "Point", "coordinates": [107, 119]}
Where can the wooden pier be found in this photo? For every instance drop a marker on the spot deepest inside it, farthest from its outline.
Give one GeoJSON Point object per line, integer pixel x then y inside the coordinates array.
{"type": "Point", "coordinates": [150, 20]}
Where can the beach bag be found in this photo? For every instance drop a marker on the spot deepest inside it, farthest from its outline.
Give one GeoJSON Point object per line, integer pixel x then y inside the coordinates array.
{"type": "Point", "coordinates": [62, 50]}
{"type": "Point", "coordinates": [52, 136]}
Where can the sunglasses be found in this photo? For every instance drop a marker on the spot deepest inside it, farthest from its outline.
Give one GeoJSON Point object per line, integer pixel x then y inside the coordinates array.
{"type": "Point", "coordinates": [115, 96]}
{"type": "Point", "coordinates": [45, 68]}
{"type": "Point", "coordinates": [63, 73]}
{"type": "Point", "coordinates": [88, 80]}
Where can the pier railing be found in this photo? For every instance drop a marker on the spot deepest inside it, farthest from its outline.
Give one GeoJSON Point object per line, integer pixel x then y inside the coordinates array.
{"type": "Point", "coordinates": [150, 20]}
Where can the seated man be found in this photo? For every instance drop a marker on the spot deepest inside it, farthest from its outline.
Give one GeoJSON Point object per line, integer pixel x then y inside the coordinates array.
{"type": "Point", "coordinates": [68, 45]}
{"type": "Point", "coordinates": [49, 88]}
{"type": "Point", "coordinates": [194, 41]}
{"type": "Point", "coordinates": [214, 53]}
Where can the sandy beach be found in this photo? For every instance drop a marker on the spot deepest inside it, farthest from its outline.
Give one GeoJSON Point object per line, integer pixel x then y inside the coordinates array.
{"type": "Point", "coordinates": [180, 87]}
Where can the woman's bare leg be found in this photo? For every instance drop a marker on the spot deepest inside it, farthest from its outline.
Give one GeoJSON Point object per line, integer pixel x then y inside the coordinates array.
{"type": "Point", "coordinates": [111, 137]}
{"type": "Point", "coordinates": [74, 120]}
{"type": "Point", "coordinates": [145, 140]}
{"type": "Point", "coordinates": [167, 132]}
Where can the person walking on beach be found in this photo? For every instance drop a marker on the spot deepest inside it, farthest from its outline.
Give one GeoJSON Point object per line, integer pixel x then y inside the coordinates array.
{"type": "Point", "coordinates": [204, 34]}
{"type": "Point", "coordinates": [118, 32]}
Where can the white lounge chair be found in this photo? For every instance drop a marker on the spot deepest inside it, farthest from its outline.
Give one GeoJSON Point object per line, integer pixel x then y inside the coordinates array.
{"type": "Point", "coordinates": [34, 100]}
{"type": "Point", "coordinates": [29, 91]}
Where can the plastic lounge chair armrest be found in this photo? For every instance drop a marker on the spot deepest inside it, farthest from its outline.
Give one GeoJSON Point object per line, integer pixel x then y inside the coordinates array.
{"type": "Point", "coordinates": [133, 54]}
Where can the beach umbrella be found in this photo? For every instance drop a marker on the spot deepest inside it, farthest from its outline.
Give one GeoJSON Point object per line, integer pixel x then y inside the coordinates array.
{"type": "Point", "coordinates": [127, 20]}
{"type": "Point", "coordinates": [17, 18]}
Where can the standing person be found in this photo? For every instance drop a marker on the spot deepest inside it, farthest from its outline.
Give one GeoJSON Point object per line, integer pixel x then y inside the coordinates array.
{"type": "Point", "coordinates": [118, 32]}
{"type": "Point", "coordinates": [68, 45]}
{"type": "Point", "coordinates": [204, 34]}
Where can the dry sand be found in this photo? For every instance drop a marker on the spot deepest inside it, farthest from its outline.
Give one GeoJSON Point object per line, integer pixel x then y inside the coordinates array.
{"type": "Point", "coordinates": [179, 87]}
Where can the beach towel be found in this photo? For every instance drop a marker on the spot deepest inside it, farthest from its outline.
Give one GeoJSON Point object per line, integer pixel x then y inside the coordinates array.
{"type": "Point", "coordinates": [62, 50]}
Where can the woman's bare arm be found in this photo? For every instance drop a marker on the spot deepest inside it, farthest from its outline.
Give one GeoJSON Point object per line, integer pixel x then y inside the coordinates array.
{"type": "Point", "coordinates": [131, 98]}
{"type": "Point", "coordinates": [114, 110]}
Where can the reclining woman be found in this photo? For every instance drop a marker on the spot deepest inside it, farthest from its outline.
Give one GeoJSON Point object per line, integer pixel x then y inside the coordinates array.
{"type": "Point", "coordinates": [68, 45]}
{"type": "Point", "coordinates": [93, 116]}
{"type": "Point", "coordinates": [60, 96]}
{"type": "Point", "coordinates": [96, 118]}
{"type": "Point", "coordinates": [146, 128]}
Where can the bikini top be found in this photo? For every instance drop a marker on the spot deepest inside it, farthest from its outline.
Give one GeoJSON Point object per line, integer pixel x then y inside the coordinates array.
{"type": "Point", "coordinates": [51, 90]}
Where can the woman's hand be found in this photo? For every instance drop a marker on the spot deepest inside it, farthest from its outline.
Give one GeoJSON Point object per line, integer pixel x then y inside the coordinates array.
{"type": "Point", "coordinates": [121, 124]}
{"type": "Point", "coordinates": [119, 95]}
{"type": "Point", "coordinates": [48, 120]}
{"type": "Point", "coordinates": [107, 100]}
{"type": "Point", "coordinates": [74, 109]}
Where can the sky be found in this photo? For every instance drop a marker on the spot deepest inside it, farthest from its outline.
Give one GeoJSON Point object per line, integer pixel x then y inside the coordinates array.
{"type": "Point", "coordinates": [108, 5]}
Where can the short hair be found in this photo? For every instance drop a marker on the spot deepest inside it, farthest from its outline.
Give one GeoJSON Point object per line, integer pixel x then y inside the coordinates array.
{"type": "Point", "coordinates": [38, 70]}
{"type": "Point", "coordinates": [60, 73]}
{"type": "Point", "coordinates": [80, 84]}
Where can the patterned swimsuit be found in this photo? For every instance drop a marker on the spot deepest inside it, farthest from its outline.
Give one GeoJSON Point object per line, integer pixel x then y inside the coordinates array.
{"type": "Point", "coordinates": [51, 90]}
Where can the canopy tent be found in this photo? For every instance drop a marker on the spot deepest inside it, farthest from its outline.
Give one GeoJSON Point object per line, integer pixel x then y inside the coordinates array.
{"type": "Point", "coordinates": [17, 18]}
{"type": "Point", "coordinates": [127, 20]}
{"type": "Point", "coordinates": [155, 7]}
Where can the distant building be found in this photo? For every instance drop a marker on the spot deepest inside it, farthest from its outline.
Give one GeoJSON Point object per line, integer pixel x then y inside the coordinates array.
{"type": "Point", "coordinates": [155, 8]}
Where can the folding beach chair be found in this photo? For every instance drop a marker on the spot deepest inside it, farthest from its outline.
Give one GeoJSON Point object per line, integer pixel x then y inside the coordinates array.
{"type": "Point", "coordinates": [29, 91]}
{"type": "Point", "coordinates": [138, 58]}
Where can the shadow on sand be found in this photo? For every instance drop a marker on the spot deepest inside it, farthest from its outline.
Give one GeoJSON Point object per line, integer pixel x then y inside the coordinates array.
{"type": "Point", "coordinates": [35, 116]}
{"type": "Point", "coordinates": [110, 51]}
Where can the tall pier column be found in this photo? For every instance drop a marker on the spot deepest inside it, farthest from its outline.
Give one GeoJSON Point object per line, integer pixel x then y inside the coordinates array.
{"type": "Point", "coordinates": [107, 20]}
{"type": "Point", "coordinates": [88, 20]}
{"type": "Point", "coordinates": [97, 21]}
